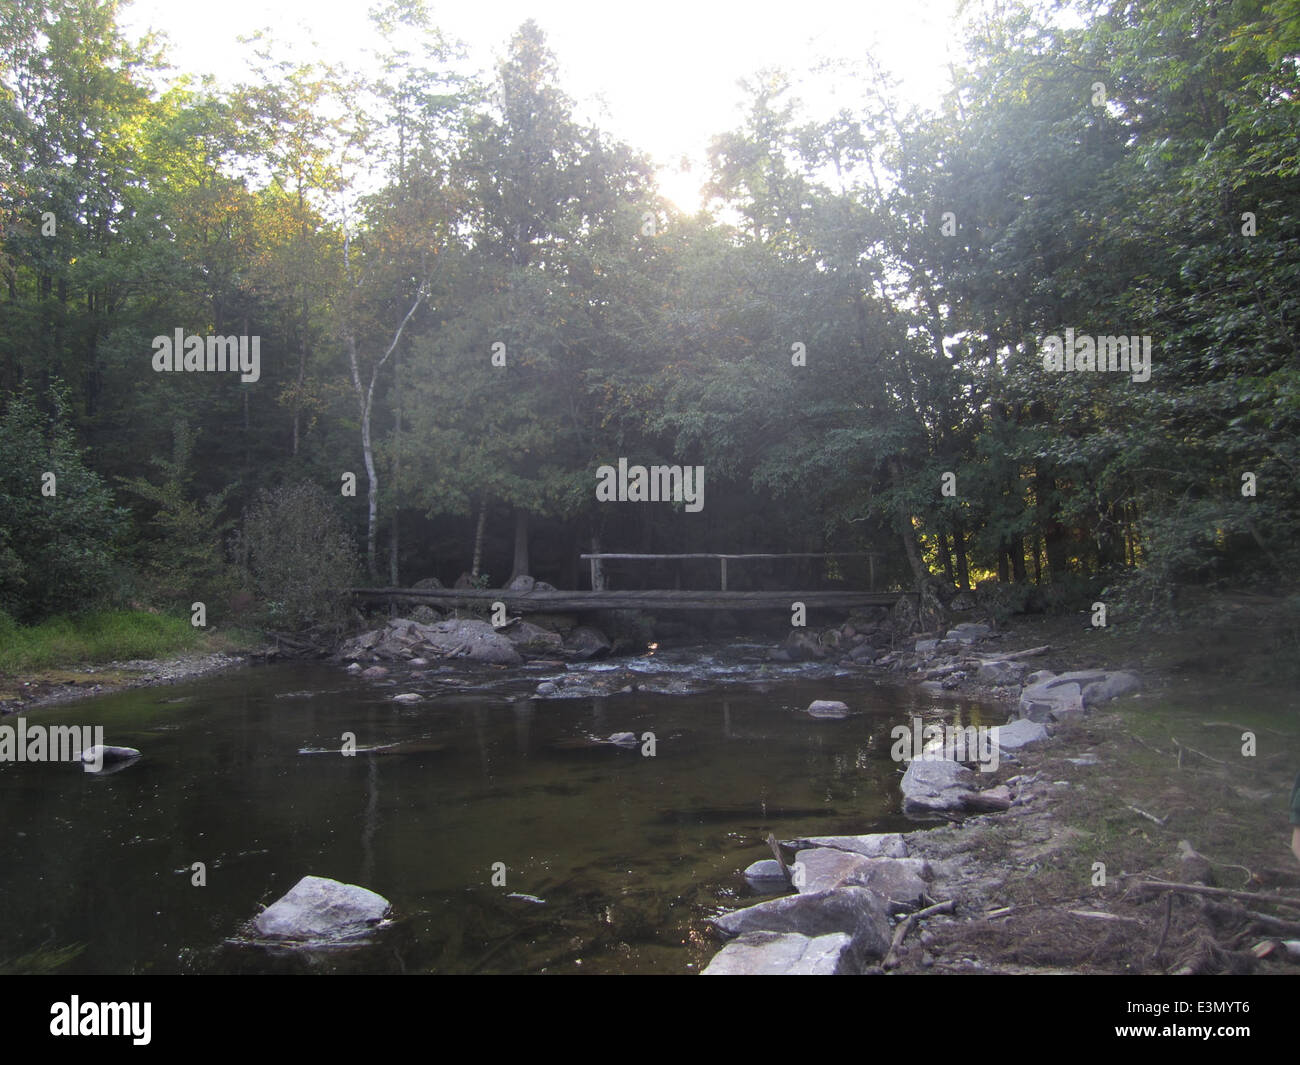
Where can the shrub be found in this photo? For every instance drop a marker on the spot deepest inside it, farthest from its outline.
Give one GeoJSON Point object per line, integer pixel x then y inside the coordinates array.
{"type": "Point", "coordinates": [302, 559]}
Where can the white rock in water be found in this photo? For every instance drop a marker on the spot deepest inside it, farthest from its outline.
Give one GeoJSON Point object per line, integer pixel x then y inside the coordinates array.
{"type": "Point", "coordinates": [830, 708]}
{"type": "Point", "coordinates": [766, 869]}
{"type": "Point", "coordinates": [319, 908]}
{"type": "Point", "coordinates": [407, 697]}
{"type": "Point", "coordinates": [99, 757]}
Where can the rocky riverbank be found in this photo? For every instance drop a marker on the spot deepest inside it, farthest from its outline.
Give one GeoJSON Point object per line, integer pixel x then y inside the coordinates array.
{"type": "Point", "coordinates": [1055, 862]}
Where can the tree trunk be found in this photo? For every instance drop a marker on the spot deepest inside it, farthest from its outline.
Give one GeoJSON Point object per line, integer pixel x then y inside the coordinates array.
{"type": "Point", "coordinates": [945, 557]}
{"type": "Point", "coordinates": [479, 528]}
{"type": "Point", "coordinates": [521, 544]}
{"type": "Point", "coordinates": [959, 547]}
{"type": "Point", "coordinates": [1017, 550]}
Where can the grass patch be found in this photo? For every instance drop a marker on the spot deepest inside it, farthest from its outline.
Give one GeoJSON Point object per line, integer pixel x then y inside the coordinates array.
{"type": "Point", "coordinates": [93, 638]}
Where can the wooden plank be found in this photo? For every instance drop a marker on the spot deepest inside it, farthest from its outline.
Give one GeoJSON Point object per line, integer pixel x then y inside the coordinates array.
{"type": "Point", "coordinates": [662, 599]}
{"type": "Point", "coordinates": [792, 554]}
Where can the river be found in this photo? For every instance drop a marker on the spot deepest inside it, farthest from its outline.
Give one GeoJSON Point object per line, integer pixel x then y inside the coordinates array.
{"type": "Point", "coordinates": [612, 859]}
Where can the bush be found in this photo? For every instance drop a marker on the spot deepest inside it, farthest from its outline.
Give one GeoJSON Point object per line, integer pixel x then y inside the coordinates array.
{"type": "Point", "coordinates": [57, 552]}
{"type": "Point", "coordinates": [302, 559]}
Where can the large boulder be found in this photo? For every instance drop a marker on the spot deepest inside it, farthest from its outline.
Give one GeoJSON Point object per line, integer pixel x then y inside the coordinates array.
{"type": "Point", "coordinates": [936, 785]}
{"type": "Point", "coordinates": [317, 908]}
{"type": "Point", "coordinates": [899, 880]}
{"type": "Point", "coordinates": [853, 911]}
{"type": "Point", "coordinates": [522, 584]}
{"type": "Point", "coordinates": [532, 639]}
{"type": "Point", "coordinates": [784, 954]}
{"type": "Point", "coordinates": [584, 642]}
{"type": "Point", "coordinates": [427, 582]}
{"type": "Point", "coordinates": [1051, 700]}
{"type": "Point", "coordinates": [467, 638]}
{"type": "Point", "coordinates": [1056, 697]}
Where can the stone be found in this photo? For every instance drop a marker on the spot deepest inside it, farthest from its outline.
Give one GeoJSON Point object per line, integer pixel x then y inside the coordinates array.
{"type": "Point", "coordinates": [936, 785]}
{"type": "Point", "coordinates": [766, 875]}
{"type": "Point", "coordinates": [784, 954]}
{"type": "Point", "coordinates": [532, 639]}
{"type": "Point", "coordinates": [407, 697]}
{"type": "Point", "coordinates": [1111, 687]}
{"type": "Point", "coordinates": [427, 582]}
{"type": "Point", "coordinates": [523, 583]}
{"type": "Point", "coordinates": [1017, 734]}
{"type": "Point", "coordinates": [900, 880]}
{"type": "Point", "coordinates": [318, 908]}
{"type": "Point", "coordinates": [853, 911]}
{"type": "Point", "coordinates": [994, 800]}
{"type": "Point", "coordinates": [353, 667]}
{"type": "Point", "coordinates": [584, 642]}
{"type": "Point", "coordinates": [802, 647]}
{"type": "Point", "coordinates": [873, 845]}
{"type": "Point", "coordinates": [863, 652]}
{"type": "Point", "coordinates": [624, 739]}
{"type": "Point", "coordinates": [467, 638]}
{"type": "Point", "coordinates": [969, 631]}
{"type": "Point", "coordinates": [102, 758]}
{"type": "Point", "coordinates": [1000, 673]}
{"type": "Point", "coordinates": [1051, 700]}
{"type": "Point", "coordinates": [1038, 676]}
{"type": "Point", "coordinates": [828, 708]}
{"type": "Point", "coordinates": [374, 672]}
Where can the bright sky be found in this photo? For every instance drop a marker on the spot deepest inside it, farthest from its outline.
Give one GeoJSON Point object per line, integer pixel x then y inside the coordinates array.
{"type": "Point", "coordinates": [661, 76]}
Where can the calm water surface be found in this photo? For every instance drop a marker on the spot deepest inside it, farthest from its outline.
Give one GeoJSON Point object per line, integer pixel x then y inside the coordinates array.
{"type": "Point", "coordinates": [629, 853]}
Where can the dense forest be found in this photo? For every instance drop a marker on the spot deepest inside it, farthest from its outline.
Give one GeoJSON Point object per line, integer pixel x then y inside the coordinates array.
{"type": "Point", "coordinates": [887, 331]}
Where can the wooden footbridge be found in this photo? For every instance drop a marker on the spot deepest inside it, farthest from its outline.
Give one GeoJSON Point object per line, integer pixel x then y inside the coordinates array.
{"type": "Point", "coordinates": [603, 598]}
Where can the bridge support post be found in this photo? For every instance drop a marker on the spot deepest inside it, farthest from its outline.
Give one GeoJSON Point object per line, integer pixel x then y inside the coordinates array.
{"type": "Point", "coordinates": [724, 574]}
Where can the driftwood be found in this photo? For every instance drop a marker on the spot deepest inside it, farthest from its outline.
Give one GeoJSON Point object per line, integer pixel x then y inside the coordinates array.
{"type": "Point", "coordinates": [891, 959]}
{"type": "Point", "coordinates": [1225, 893]}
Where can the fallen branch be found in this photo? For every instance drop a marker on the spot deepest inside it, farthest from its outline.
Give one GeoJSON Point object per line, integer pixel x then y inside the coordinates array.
{"type": "Point", "coordinates": [891, 960]}
{"type": "Point", "coordinates": [1012, 656]}
{"type": "Point", "coordinates": [1183, 747]}
{"type": "Point", "coordinates": [1275, 924]}
{"type": "Point", "coordinates": [1199, 889]}
{"type": "Point", "coordinates": [1164, 932]}
{"type": "Point", "coordinates": [1149, 817]}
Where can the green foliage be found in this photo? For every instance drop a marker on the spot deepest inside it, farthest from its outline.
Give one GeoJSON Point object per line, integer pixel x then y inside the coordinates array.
{"type": "Point", "coordinates": [92, 638]}
{"type": "Point", "coordinates": [56, 551]}
{"type": "Point", "coordinates": [302, 558]}
{"type": "Point", "coordinates": [183, 560]}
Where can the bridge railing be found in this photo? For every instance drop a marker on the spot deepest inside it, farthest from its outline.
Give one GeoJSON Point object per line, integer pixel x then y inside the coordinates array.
{"type": "Point", "coordinates": [598, 576]}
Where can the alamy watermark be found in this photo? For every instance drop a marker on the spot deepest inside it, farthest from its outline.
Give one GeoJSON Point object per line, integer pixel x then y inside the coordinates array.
{"type": "Point", "coordinates": [655, 484]}
{"type": "Point", "coordinates": [211, 354]}
{"type": "Point", "coordinates": [937, 743]}
{"type": "Point", "coordinates": [1103, 354]}
{"type": "Point", "coordinates": [53, 743]}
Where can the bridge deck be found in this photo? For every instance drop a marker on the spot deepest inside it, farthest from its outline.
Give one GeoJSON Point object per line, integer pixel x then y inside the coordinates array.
{"type": "Point", "coordinates": [660, 599]}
